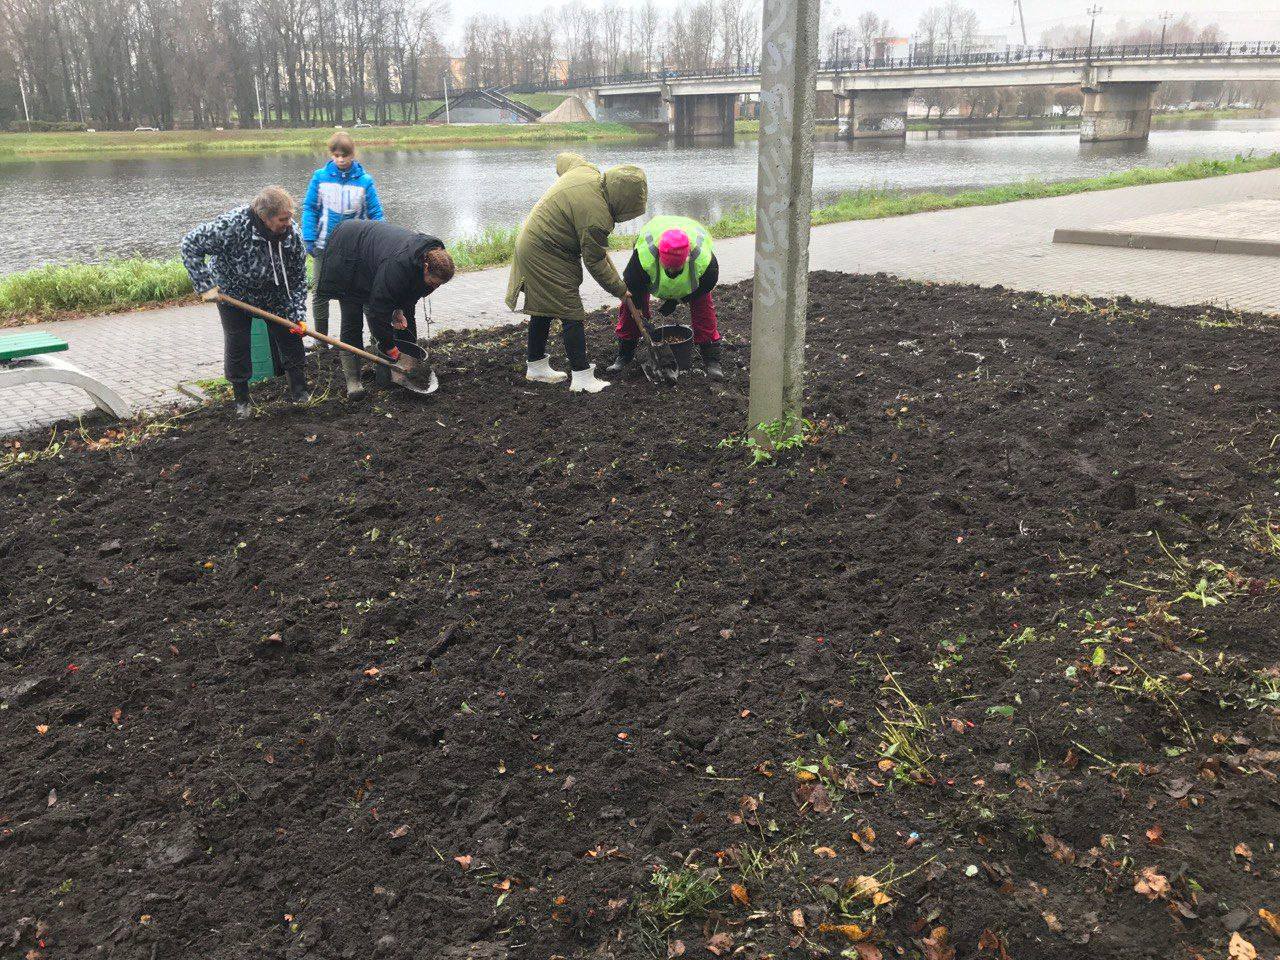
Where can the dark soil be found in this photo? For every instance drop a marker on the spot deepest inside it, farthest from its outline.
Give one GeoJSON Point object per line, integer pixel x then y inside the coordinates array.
{"type": "Point", "coordinates": [483, 676]}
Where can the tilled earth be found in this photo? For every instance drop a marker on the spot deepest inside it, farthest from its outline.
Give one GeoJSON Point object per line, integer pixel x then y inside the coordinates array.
{"type": "Point", "coordinates": [987, 668]}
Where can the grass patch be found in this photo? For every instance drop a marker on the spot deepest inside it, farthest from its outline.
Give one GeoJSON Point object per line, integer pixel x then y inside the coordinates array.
{"type": "Point", "coordinates": [21, 146]}
{"type": "Point", "coordinates": [493, 247]}
{"type": "Point", "coordinates": [46, 292]}
{"type": "Point", "coordinates": [546, 102]}
{"type": "Point", "coordinates": [994, 123]}
{"type": "Point", "coordinates": [1224, 114]}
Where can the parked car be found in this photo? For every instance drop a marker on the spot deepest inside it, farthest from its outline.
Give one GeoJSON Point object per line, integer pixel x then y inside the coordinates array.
{"type": "Point", "coordinates": [362, 124]}
{"type": "Point", "coordinates": [146, 129]}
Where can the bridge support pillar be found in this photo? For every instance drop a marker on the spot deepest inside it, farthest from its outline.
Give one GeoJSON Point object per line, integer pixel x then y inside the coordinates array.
{"type": "Point", "coordinates": [705, 115]}
{"type": "Point", "coordinates": [876, 114]}
{"type": "Point", "coordinates": [1116, 111]}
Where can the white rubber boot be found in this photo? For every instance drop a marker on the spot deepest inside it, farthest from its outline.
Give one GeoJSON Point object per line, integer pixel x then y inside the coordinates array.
{"type": "Point", "coordinates": [539, 371]}
{"type": "Point", "coordinates": [584, 381]}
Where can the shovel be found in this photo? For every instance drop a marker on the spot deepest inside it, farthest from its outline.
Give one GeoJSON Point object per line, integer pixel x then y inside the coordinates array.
{"type": "Point", "coordinates": [397, 372]}
{"type": "Point", "coordinates": [657, 368]}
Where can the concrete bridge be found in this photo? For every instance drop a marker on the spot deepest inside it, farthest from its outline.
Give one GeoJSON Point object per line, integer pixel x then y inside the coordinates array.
{"type": "Point", "coordinates": [1118, 81]}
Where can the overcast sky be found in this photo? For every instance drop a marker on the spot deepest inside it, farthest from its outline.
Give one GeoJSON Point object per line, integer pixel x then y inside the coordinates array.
{"type": "Point", "coordinates": [1240, 19]}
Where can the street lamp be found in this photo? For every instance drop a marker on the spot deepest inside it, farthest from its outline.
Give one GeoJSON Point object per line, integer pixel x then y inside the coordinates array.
{"type": "Point", "coordinates": [1093, 14]}
{"type": "Point", "coordinates": [1164, 25]}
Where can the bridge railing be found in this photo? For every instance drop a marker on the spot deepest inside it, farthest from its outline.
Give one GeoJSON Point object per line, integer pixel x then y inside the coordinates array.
{"type": "Point", "coordinates": [926, 58]}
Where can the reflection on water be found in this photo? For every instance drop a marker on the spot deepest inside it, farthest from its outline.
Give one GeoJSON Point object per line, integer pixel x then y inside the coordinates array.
{"type": "Point", "coordinates": [89, 209]}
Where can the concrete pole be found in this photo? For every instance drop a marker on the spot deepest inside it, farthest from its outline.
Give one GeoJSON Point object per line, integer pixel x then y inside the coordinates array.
{"type": "Point", "coordinates": [784, 189]}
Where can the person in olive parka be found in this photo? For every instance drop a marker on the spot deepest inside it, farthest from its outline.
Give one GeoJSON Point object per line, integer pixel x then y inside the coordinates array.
{"type": "Point", "coordinates": [570, 227]}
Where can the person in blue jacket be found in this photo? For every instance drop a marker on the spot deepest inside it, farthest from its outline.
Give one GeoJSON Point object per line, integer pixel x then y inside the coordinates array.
{"type": "Point", "coordinates": [340, 190]}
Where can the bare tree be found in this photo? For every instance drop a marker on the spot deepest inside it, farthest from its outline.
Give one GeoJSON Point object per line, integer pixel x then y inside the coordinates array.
{"type": "Point", "coordinates": [868, 29]}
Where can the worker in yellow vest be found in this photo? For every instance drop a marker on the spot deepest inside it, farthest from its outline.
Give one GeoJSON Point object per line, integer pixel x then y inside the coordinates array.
{"type": "Point", "coordinates": [674, 262]}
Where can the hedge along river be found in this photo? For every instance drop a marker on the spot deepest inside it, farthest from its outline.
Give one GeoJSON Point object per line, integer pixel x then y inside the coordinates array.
{"type": "Point", "coordinates": [89, 210]}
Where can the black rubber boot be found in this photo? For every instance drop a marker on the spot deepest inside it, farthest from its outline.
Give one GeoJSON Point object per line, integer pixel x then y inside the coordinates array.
{"type": "Point", "coordinates": [626, 353]}
{"type": "Point", "coordinates": [711, 359]}
{"type": "Point", "coordinates": [240, 393]}
{"type": "Point", "coordinates": [298, 392]}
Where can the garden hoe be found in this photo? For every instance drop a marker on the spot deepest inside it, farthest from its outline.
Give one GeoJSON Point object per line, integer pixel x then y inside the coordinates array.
{"type": "Point", "coordinates": [398, 373]}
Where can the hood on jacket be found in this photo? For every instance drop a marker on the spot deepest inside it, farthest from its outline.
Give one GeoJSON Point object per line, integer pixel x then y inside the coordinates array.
{"type": "Point", "coordinates": [567, 161]}
{"type": "Point", "coordinates": [627, 191]}
{"type": "Point", "coordinates": [353, 172]}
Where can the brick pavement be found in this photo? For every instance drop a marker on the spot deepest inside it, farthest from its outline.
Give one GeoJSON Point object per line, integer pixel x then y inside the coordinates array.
{"type": "Point", "coordinates": [146, 354]}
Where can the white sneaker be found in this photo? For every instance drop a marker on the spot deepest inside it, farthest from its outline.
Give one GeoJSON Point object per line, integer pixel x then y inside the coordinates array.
{"type": "Point", "coordinates": [539, 371]}
{"type": "Point", "coordinates": [584, 381]}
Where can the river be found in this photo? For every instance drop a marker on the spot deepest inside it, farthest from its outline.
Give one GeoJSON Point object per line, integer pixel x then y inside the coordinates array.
{"type": "Point", "coordinates": [86, 210]}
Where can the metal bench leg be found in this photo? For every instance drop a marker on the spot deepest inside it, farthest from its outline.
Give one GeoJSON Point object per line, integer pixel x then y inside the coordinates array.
{"type": "Point", "coordinates": [51, 369]}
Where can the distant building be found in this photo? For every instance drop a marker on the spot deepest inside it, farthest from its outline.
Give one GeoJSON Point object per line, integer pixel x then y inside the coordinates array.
{"type": "Point", "coordinates": [891, 48]}
{"type": "Point", "coordinates": [988, 43]}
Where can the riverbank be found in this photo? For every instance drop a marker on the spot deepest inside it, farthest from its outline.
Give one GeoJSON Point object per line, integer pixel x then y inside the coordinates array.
{"type": "Point", "coordinates": [46, 146]}
{"type": "Point", "coordinates": [916, 125]}
{"type": "Point", "coordinates": [56, 292]}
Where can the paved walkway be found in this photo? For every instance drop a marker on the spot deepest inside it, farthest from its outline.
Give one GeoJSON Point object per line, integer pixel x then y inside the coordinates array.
{"type": "Point", "coordinates": [146, 354]}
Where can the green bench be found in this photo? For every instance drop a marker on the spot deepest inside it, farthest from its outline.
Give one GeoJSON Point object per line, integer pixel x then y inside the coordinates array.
{"type": "Point", "coordinates": [29, 358]}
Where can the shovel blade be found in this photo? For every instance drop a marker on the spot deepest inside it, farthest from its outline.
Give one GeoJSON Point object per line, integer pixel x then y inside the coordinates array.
{"type": "Point", "coordinates": [401, 380]}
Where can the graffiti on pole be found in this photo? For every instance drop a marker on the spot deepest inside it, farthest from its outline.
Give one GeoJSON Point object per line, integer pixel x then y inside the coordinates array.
{"type": "Point", "coordinates": [783, 194]}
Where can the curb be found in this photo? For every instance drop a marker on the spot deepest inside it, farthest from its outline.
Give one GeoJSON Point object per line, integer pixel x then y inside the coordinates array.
{"type": "Point", "coordinates": [1136, 240]}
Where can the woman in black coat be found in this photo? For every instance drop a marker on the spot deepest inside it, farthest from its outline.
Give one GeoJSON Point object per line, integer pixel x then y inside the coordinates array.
{"type": "Point", "coordinates": [378, 271]}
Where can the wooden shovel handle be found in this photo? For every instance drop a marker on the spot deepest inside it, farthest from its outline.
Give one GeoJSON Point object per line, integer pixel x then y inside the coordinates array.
{"type": "Point", "coordinates": [332, 341]}
{"type": "Point", "coordinates": [638, 318]}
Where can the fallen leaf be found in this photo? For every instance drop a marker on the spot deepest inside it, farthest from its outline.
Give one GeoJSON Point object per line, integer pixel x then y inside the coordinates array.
{"type": "Point", "coordinates": [1051, 921]}
{"type": "Point", "coordinates": [116, 714]}
{"type": "Point", "coordinates": [675, 949]}
{"type": "Point", "coordinates": [849, 930]}
{"type": "Point", "coordinates": [935, 947]}
{"type": "Point", "coordinates": [814, 796]}
{"type": "Point", "coordinates": [1152, 884]}
{"type": "Point", "coordinates": [866, 951]}
{"type": "Point", "coordinates": [990, 940]}
{"type": "Point", "coordinates": [880, 898]}
{"type": "Point", "coordinates": [797, 918]}
{"type": "Point", "coordinates": [824, 852]}
{"type": "Point", "coordinates": [865, 839]}
{"type": "Point", "coordinates": [464, 861]}
{"type": "Point", "coordinates": [1271, 920]}
{"type": "Point", "coordinates": [1060, 851]}
{"type": "Point", "coordinates": [53, 796]}
{"type": "Point", "coordinates": [864, 886]}
{"type": "Point", "coordinates": [42, 728]}
{"type": "Point", "coordinates": [1155, 835]}
{"type": "Point", "coordinates": [372, 672]}
{"type": "Point", "coordinates": [739, 894]}
{"type": "Point", "coordinates": [503, 885]}
{"type": "Point", "coordinates": [1242, 850]}
{"type": "Point", "coordinates": [720, 944]}
{"type": "Point", "coordinates": [1241, 949]}
{"type": "Point", "coordinates": [400, 831]}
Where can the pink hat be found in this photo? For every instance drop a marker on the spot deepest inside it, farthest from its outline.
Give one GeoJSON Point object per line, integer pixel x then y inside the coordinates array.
{"type": "Point", "coordinates": [673, 249]}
